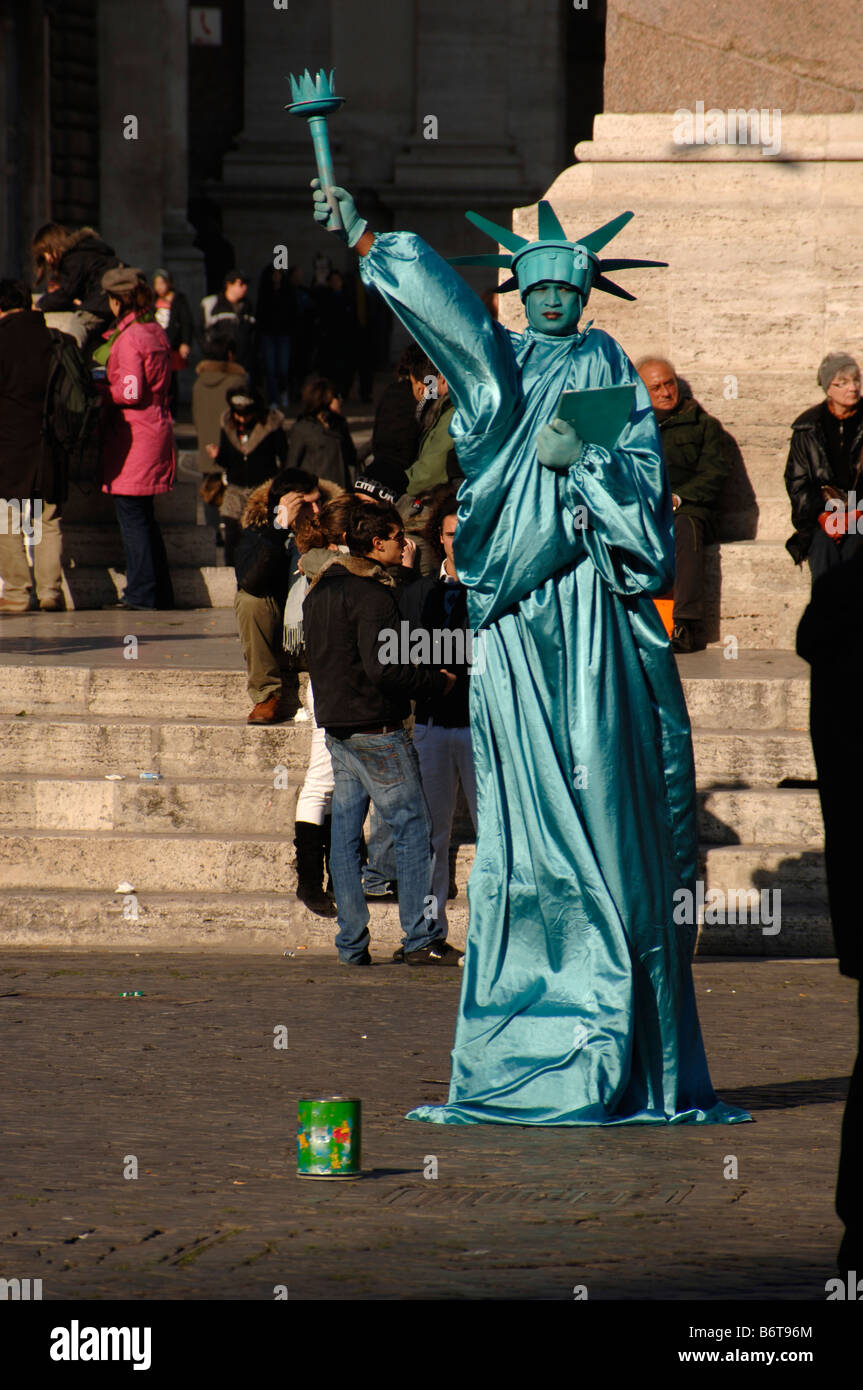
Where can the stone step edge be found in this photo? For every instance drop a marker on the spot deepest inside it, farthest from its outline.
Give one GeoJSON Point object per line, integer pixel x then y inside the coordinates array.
{"type": "Point", "coordinates": [272, 934]}
{"type": "Point", "coordinates": [10, 832]}
{"type": "Point", "coordinates": [759, 846]}
{"type": "Point", "coordinates": [85, 918]}
{"type": "Point", "coordinates": [260, 779]}
{"type": "Point", "coordinates": [116, 719]}
{"type": "Point", "coordinates": [796, 912]}
{"type": "Point", "coordinates": [139, 670]}
{"type": "Point", "coordinates": [167, 779]}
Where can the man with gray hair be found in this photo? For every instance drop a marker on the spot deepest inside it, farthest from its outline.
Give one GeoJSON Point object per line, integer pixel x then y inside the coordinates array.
{"type": "Point", "coordinates": [697, 465]}
{"type": "Point", "coordinates": [823, 472]}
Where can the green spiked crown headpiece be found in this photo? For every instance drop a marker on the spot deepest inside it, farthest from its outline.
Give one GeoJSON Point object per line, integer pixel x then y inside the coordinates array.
{"type": "Point", "coordinates": [553, 256]}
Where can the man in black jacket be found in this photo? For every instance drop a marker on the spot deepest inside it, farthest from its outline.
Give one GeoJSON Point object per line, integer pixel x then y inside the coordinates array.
{"type": "Point", "coordinates": [229, 311]}
{"type": "Point", "coordinates": [824, 467]}
{"type": "Point", "coordinates": [362, 699]}
{"type": "Point", "coordinates": [697, 466]}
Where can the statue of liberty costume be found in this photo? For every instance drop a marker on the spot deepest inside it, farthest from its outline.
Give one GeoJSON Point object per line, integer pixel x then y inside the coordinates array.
{"type": "Point", "coordinates": [577, 1004]}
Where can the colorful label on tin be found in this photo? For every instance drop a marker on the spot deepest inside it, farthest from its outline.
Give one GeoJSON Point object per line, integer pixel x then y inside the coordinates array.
{"type": "Point", "coordinates": [328, 1138]}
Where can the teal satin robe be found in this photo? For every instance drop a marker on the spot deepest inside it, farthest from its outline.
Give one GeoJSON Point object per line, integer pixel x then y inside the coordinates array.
{"type": "Point", "coordinates": [577, 1005]}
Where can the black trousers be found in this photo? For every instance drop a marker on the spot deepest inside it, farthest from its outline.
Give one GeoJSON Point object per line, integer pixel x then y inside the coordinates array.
{"type": "Point", "coordinates": [148, 578]}
{"type": "Point", "coordinates": [689, 563]}
{"type": "Point", "coordinates": [825, 553]}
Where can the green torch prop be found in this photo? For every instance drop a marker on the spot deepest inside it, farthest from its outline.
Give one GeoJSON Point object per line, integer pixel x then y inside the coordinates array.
{"type": "Point", "coordinates": [313, 98]}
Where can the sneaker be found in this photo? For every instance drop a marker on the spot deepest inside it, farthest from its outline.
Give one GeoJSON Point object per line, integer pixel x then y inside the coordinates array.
{"type": "Point", "coordinates": [361, 960]}
{"type": "Point", "coordinates": [438, 953]}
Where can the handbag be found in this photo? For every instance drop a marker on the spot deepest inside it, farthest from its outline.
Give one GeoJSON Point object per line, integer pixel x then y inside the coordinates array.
{"type": "Point", "coordinates": [212, 489]}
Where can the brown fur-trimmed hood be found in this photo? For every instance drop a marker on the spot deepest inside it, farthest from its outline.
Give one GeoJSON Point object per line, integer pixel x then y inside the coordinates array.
{"type": "Point", "coordinates": [355, 564]}
{"type": "Point", "coordinates": [255, 512]}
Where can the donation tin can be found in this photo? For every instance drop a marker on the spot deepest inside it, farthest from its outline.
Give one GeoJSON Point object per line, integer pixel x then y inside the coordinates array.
{"type": "Point", "coordinates": [329, 1137]}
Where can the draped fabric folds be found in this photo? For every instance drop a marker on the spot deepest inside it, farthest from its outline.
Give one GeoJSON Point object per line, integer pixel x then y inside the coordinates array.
{"type": "Point", "coordinates": [577, 1005]}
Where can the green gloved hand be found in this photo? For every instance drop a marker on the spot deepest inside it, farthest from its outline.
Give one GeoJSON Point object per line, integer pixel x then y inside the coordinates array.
{"type": "Point", "coordinates": [353, 225]}
{"type": "Point", "coordinates": [558, 446]}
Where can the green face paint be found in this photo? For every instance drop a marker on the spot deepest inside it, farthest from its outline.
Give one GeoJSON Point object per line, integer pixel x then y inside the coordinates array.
{"type": "Point", "coordinates": [554, 308]}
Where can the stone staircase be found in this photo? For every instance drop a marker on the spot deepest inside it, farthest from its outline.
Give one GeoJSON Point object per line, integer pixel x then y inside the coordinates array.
{"type": "Point", "coordinates": [759, 816]}
{"type": "Point", "coordinates": [207, 849]}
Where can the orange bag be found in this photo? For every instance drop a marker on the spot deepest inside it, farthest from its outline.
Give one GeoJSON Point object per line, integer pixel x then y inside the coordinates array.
{"type": "Point", "coordinates": [665, 605]}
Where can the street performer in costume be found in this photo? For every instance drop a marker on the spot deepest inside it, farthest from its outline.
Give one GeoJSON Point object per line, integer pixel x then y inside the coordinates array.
{"type": "Point", "coordinates": [577, 1004]}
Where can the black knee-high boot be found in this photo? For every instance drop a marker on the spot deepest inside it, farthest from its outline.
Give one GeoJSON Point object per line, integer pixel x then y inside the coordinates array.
{"type": "Point", "coordinates": [326, 832]}
{"type": "Point", "coordinates": [311, 848]}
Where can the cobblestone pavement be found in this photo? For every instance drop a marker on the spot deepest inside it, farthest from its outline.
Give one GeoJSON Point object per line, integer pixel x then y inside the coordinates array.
{"type": "Point", "coordinates": [187, 1079]}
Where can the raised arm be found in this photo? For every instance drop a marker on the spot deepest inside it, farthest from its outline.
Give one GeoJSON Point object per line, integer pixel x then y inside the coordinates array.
{"type": "Point", "coordinates": [441, 311]}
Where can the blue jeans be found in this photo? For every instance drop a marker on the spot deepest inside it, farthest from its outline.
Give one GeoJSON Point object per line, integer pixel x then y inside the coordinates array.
{"type": "Point", "coordinates": [148, 579]}
{"type": "Point", "coordinates": [446, 758]}
{"type": "Point", "coordinates": [383, 768]}
{"type": "Point", "coordinates": [381, 868]}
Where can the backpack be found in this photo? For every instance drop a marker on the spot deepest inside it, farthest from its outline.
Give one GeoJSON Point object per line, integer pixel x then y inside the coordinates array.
{"type": "Point", "coordinates": [71, 399]}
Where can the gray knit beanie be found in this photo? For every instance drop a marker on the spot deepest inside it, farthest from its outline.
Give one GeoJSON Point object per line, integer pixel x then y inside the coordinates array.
{"type": "Point", "coordinates": [833, 363]}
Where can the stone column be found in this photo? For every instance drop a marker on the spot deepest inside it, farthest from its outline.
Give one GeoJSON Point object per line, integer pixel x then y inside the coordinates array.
{"type": "Point", "coordinates": [764, 261]}
{"type": "Point", "coordinates": [380, 112]}
{"type": "Point", "coordinates": [143, 180]}
{"type": "Point", "coordinates": [178, 254]}
{"type": "Point", "coordinates": [131, 170]}
{"type": "Point", "coordinates": [461, 149]}
{"type": "Point", "coordinates": [265, 185]}
{"type": "Point", "coordinates": [488, 79]}
{"type": "Point", "coordinates": [25, 170]}
{"type": "Point", "coordinates": [785, 53]}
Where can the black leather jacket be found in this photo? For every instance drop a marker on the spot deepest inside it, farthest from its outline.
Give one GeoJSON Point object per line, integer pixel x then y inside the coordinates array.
{"type": "Point", "coordinates": [808, 471]}
{"type": "Point", "coordinates": [347, 611]}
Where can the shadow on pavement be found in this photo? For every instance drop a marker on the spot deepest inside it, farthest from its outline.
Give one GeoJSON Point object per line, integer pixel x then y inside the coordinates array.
{"type": "Point", "coordinates": [789, 1095]}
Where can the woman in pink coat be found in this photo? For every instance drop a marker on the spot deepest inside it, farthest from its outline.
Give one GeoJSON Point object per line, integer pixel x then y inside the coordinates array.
{"type": "Point", "coordinates": [138, 434]}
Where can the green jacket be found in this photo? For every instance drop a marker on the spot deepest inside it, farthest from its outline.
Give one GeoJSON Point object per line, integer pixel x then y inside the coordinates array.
{"type": "Point", "coordinates": [431, 464]}
{"type": "Point", "coordinates": [696, 461]}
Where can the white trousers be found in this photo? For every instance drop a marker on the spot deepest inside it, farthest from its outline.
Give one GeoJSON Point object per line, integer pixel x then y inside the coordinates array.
{"type": "Point", "coordinates": [316, 795]}
{"type": "Point", "coordinates": [445, 756]}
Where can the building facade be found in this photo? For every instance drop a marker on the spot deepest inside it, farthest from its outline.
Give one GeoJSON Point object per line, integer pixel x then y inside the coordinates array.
{"type": "Point", "coordinates": [163, 124]}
